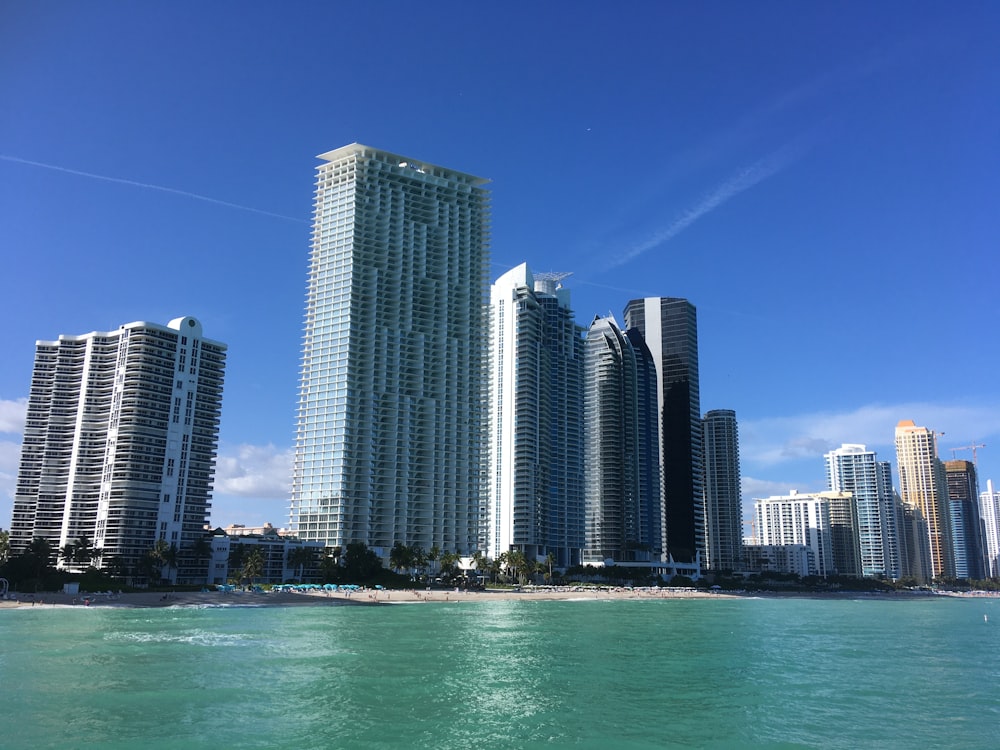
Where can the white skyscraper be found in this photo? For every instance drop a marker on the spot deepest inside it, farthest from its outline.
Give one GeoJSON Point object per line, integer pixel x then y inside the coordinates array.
{"type": "Point", "coordinates": [989, 510]}
{"type": "Point", "coordinates": [795, 519]}
{"type": "Point", "coordinates": [120, 444]}
{"type": "Point", "coordinates": [534, 469]}
{"type": "Point", "coordinates": [390, 401]}
{"type": "Point", "coordinates": [855, 469]}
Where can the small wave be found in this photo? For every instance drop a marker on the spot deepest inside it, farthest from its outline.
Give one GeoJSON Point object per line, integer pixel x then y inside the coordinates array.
{"type": "Point", "coordinates": [190, 638]}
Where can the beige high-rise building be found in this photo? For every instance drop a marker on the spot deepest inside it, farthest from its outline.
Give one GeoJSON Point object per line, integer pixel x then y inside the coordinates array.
{"type": "Point", "coordinates": [922, 485]}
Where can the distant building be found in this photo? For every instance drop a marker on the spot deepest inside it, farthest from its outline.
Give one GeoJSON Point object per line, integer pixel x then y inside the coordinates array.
{"type": "Point", "coordinates": [723, 494]}
{"type": "Point", "coordinates": [966, 526]}
{"type": "Point", "coordinates": [922, 485]}
{"type": "Point", "coordinates": [989, 509]}
{"type": "Point", "coordinates": [120, 445]}
{"type": "Point", "coordinates": [534, 497]}
{"type": "Point", "coordinates": [621, 449]}
{"type": "Point", "coordinates": [797, 559]}
{"type": "Point", "coordinates": [390, 399]}
{"type": "Point", "coordinates": [914, 542]}
{"type": "Point", "coordinates": [279, 565]}
{"type": "Point", "coordinates": [855, 469]}
{"type": "Point", "coordinates": [669, 327]}
{"type": "Point", "coordinates": [800, 519]}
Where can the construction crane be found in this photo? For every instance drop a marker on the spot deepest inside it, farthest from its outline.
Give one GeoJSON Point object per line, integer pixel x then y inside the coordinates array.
{"type": "Point", "coordinates": [973, 447]}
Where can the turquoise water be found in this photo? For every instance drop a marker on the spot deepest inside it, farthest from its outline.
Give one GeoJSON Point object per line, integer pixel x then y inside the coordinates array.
{"type": "Point", "coordinates": [614, 674]}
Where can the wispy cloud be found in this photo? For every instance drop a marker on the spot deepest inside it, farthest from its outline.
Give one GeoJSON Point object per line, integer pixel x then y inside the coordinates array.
{"type": "Point", "coordinates": [737, 183]}
{"type": "Point", "coordinates": [12, 414]}
{"type": "Point", "coordinates": [258, 471]}
{"type": "Point", "coordinates": [771, 442]}
{"type": "Point", "coordinates": [148, 186]}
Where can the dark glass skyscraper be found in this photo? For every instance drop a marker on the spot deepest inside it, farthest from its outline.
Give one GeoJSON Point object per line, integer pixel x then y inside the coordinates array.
{"type": "Point", "coordinates": [723, 498]}
{"type": "Point", "coordinates": [669, 326]}
{"type": "Point", "coordinates": [966, 527]}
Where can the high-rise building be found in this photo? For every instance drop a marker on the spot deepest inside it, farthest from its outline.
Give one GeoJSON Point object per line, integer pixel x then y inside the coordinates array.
{"type": "Point", "coordinates": [844, 534]}
{"type": "Point", "coordinates": [120, 445]}
{"type": "Point", "coordinates": [855, 469]}
{"type": "Point", "coordinates": [914, 542]}
{"type": "Point", "coordinates": [989, 509]}
{"type": "Point", "coordinates": [534, 495]}
{"type": "Point", "coordinates": [796, 519]}
{"type": "Point", "coordinates": [390, 400]}
{"type": "Point", "coordinates": [922, 485]}
{"type": "Point", "coordinates": [621, 449]}
{"type": "Point", "coordinates": [966, 527]}
{"type": "Point", "coordinates": [723, 495]}
{"type": "Point", "coordinates": [670, 328]}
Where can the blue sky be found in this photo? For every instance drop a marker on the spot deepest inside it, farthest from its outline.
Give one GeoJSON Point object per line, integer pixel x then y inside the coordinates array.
{"type": "Point", "coordinates": [821, 179]}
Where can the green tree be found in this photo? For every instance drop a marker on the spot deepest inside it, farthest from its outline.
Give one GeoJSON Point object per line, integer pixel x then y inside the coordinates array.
{"type": "Point", "coordinates": [66, 553]}
{"type": "Point", "coordinates": [419, 559]}
{"type": "Point", "coordinates": [400, 557]}
{"type": "Point", "coordinates": [163, 556]}
{"type": "Point", "coordinates": [433, 555]}
{"type": "Point", "coordinates": [449, 563]}
{"type": "Point", "coordinates": [83, 551]}
{"type": "Point", "coordinates": [41, 554]}
{"type": "Point", "coordinates": [550, 560]}
{"type": "Point", "coordinates": [253, 565]}
{"type": "Point", "coordinates": [299, 557]}
{"type": "Point", "coordinates": [4, 546]}
{"type": "Point", "coordinates": [360, 563]}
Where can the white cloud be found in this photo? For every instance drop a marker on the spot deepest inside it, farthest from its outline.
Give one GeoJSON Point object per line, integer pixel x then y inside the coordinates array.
{"type": "Point", "coordinates": [259, 471]}
{"type": "Point", "coordinates": [773, 441]}
{"type": "Point", "coordinates": [12, 415]}
{"type": "Point", "coordinates": [148, 186]}
{"type": "Point", "coordinates": [742, 180]}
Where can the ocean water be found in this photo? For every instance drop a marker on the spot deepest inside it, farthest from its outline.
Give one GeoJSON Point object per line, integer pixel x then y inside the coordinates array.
{"type": "Point", "coordinates": [783, 673]}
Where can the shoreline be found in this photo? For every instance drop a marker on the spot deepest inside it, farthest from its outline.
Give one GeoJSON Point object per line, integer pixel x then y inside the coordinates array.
{"type": "Point", "coordinates": [372, 597]}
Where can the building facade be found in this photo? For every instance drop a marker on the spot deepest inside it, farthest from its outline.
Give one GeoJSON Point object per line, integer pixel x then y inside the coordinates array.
{"type": "Point", "coordinates": [855, 469]}
{"type": "Point", "coordinates": [388, 444]}
{"type": "Point", "coordinates": [533, 490]}
{"type": "Point", "coordinates": [723, 495]}
{"type": "Point", "coordinates": [669, 327]}
{"type": "Point", "coordinates": [120, 445]}
{"type": "Point", "coordinates": [621, 449]}
{"type": "Point", "coordinates": [796, 519]}
{"type": "Point", "coordinates": [966, 526]}
{"type": "Point", "coordinates": [989, 509]}
{"type": "Point", "coordinates": [922, 485]}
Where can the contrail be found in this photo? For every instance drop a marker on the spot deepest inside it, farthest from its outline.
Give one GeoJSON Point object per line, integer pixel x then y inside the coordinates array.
{"type": "Point", "coordinates": [161, 188]}
{"type": "Point", "coordinates": [743, 180]}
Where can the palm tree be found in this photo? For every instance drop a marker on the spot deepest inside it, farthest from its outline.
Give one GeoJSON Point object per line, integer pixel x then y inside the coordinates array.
{"type": "Point", "coordinates": [66, 553]}
{"type": "Point", "coordinates": [418, 561]}
{"type": "Point", "coordinates": [299, 557]}
{"type": "Point", "coordinates": [479, 562]}
{"type": "Point", "coordinates": [400, 557]}
{"type": "Point", "coordinates": [449, 563]}
{"type": "Point", "coordinates": [253, 565]}
{"type": "Point", "coordinates": [550, 560]}
{"type": "Point", "coordinates": [83, 551]}
{"type": "Point", "coordinates": [433, 554]}
{"type": "Point", "coordinates": [41, 554]}
{"type": "Point", "coordinates": [201, 553]}
{"type": "Point", "coordinates": [4, 546]}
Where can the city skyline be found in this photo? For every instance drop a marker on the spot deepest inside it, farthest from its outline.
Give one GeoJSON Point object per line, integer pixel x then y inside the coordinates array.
{"type": "Point", "coordinates": [791, 171]}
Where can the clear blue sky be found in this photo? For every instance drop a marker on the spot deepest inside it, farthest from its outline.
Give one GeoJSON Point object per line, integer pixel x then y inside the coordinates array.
{"type": "Point", "coordinates": [821, 179]}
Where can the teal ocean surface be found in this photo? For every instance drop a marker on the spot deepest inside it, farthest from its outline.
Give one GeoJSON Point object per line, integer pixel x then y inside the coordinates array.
{"type": "Point", "coordinates": [602, 674]}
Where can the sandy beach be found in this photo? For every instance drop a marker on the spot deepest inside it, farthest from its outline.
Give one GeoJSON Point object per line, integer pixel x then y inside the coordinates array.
{"type": "Point", "coordinates": [361, 597]}
{"type": "Point", "coordinates": [372, 597]}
